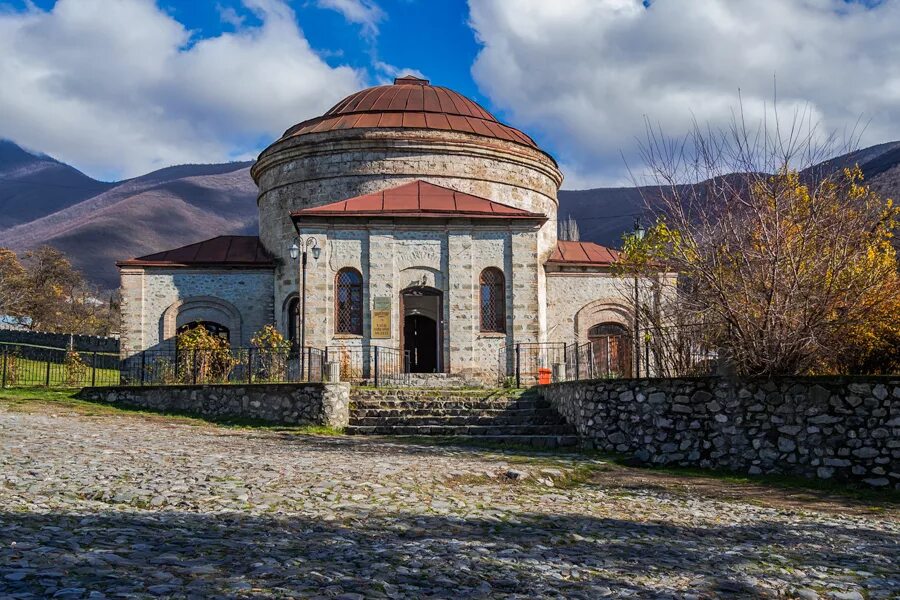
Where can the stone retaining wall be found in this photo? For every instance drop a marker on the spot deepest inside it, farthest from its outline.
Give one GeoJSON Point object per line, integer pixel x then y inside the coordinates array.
{"type": "Point", "coordinates": [285, 403]}
{"type": "Point", "coordinates": [82, 343]}
{"type": "Point", "coordinates": [829, 427]}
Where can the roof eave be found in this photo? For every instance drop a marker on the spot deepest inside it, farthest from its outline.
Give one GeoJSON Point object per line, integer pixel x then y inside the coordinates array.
{"type": "Point", "coordinates": [203, 265]}
{"type": "Point", "coordinates": [566, 263]}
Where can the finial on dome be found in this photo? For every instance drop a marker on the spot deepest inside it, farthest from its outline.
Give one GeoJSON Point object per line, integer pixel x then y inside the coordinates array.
{"type": "Point", "coordinates": [410, 79]}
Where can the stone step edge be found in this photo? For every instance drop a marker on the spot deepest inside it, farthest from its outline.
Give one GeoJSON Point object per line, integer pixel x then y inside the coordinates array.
{"type": "Point", "coordinates": [453, 431]}
{"type": "Point", "coordinates": [545, 441]}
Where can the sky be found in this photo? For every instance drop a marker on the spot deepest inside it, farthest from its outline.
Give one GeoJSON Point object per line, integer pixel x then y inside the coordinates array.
{"type": "Point", "coordinates": [118, 88]}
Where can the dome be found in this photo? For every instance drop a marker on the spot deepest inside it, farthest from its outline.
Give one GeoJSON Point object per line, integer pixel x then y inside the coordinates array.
{"type": "Point", "coordinates": [410, 103]}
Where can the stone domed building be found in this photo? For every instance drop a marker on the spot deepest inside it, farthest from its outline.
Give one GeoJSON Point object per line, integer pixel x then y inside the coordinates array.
{"type": "Point", "coordinates": [427, 226]}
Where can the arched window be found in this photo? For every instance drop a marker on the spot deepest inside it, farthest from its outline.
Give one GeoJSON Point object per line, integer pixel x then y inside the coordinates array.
{"type": "Point", "coordinates": [220, 331]}
{"type": "Point", "coordinates": [493, 300]}
{"type": "Point", "coordinates": [611, 346]}
{"type": "Point", "coordinates": [292, 320]}
{"type": "Point", "coordinates": [348, 301]}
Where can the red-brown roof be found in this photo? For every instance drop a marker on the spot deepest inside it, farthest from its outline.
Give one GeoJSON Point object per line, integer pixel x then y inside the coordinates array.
{"type": "Point", "coordinates": [583, 253]}
{"type": "Point", "coordinates": [410, 103]}
{"type": "Point", "coordinates": [221, 251]}
{"type": "Point", "coordinates": [418, 199]}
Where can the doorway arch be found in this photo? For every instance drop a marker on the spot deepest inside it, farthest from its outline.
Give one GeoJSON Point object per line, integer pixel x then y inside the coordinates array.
{"type": "Point", "coordinates": [611, 349]}
{"type": "Point", "coordinates": [421, 310]}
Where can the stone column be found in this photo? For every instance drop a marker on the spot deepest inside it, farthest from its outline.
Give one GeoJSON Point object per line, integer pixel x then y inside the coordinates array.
{"type": "Point", "coordinates": [526, 323]}
{"type": "Point", "coordinates": [132, 338]}
{"type": "Point", "coordinates": [461, 300]}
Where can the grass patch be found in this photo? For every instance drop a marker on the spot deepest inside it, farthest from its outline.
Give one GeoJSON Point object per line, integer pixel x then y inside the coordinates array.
{"type": "Point", "coordinates": [43, 399]}
{"type": "Point", "coordinates": [31, 372]}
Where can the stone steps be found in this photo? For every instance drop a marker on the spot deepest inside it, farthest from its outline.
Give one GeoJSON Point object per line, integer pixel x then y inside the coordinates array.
{"type": "Point", "coordinates": [421, 420]}
{"type": "Point", "coordinates": [515, 413]}
{"type": "Point", "coordinates": [432, 380]}
{"type": "Point", "coordinates": [536, 441]}
{"type": "Point", "coordinates": [493, 416]}
{"type": "Point", "coordinates": [455, 430]}
{"type": "Point", "coordinates": [439, 407]}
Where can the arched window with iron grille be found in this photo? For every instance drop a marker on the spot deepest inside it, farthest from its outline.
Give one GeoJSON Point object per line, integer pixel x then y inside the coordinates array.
{"type": "Point", "coordinates": [348, 300]}
{"type": "Point", "coordinates": [493, 300]}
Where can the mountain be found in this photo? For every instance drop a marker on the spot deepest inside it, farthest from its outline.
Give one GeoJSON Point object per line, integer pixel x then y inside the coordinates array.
{"type": "Point", "coordinates": [97, 226]}
{"type": "Point", "coordinates": [34, 185]}
{"type": "Point", "coordinates": [605, 214]}
{"type": "Point", "coordinates": [44, 201]}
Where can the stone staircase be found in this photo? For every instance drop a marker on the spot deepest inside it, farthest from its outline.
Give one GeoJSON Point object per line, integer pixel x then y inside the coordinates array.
{"type": "Point", "coordinates": [432, 381]}
{"type": "Point", "coordinates": [497, 416]}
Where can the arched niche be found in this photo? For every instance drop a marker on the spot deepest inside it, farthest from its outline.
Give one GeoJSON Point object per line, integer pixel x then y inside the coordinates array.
{"type": "Point", "coordinates": [202, 308]}
{"type": "Point", "coordinates": [604, 310]}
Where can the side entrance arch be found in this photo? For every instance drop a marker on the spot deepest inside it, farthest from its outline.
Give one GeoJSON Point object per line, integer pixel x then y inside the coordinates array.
{"type": "Point", "coordinates": [421, 309]}
{"type": "Point", "coordinates": [611, 349]}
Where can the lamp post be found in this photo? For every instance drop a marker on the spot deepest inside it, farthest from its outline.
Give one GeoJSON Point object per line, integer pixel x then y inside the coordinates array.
{"type": "Point", "coordinates": [638, 235]}
{"type": "Point", "coordinates": [300, 247]}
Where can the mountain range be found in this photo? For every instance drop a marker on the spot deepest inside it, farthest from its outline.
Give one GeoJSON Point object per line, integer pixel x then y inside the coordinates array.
{"type": "Point", "coordinates": [45, 201]}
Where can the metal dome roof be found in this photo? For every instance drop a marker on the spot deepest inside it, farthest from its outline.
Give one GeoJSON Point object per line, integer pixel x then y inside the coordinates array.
{"type": "Point", "coordinates": [410, 103]}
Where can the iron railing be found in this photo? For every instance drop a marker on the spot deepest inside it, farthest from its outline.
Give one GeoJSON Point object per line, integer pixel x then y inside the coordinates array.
{"type": "Point", "coordinates": [660, 352]}
{"type": "Point", "coordinates": [26, 365]}
{"type": "Point", "coordinates": [223, 366]}
{"type": "Point", "coordinates": [370, 365]}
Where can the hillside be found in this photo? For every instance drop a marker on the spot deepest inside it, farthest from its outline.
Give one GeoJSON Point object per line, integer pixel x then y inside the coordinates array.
{"type": "Point", "coordinates": [43, 201]}
{"type": "Point", "coordinates": [32, 186]}
{"type": "Point", "coordinates": [163, 209]}
{"type": "Point", "coordinates": [605, 214]}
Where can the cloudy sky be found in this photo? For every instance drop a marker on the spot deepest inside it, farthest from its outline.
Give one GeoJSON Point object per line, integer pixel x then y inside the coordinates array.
{"type": "Point", "coordinates": [121, 87]}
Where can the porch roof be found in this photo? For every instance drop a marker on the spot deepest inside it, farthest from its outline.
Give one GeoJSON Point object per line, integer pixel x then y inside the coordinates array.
{"type": "Point", "coordinates": [418, 199]}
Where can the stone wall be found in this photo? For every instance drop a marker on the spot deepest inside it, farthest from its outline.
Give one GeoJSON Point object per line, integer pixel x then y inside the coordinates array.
{"type": "Point", "coordinates": [155, 301]}
{"type": "Point", "coordinates": [448, 258]}
{"type": "Point", "coordinates": [83, 343]}
{"type": "Point", "coordinates": [288, 404]}
{"type": "Point", "coordinates": [578, 299]}
{"type": "Point", "coordinates": [841, 428]}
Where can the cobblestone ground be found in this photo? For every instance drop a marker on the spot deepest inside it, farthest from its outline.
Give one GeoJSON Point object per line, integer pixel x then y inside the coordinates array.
{"type": "Point", "coordinates": [129, 505]}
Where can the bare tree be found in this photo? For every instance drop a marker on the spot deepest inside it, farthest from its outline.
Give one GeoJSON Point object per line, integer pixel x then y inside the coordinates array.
{"type": "Point", "coordinates": [567, 229]}
{"type": "Point", "coordinates": [781, 261]}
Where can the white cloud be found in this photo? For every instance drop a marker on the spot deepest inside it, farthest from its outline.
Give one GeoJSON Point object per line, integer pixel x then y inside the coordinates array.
{"type": "Point", "coordinates": [230, 16]}
{"type": "Point", "coordinates": [362, 12]}
{"type": "Point", "coordinates": [586, 73]}
{"type": "Point", "coordinates": [386, 73]}
{"type": "Point", "coordinates": [120, 88]}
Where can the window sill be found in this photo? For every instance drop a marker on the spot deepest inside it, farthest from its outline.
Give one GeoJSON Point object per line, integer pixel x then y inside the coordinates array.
{"type": "Point", "coordinates": [491, 334]}
{"type": "Point", "coordinates": [347, 336]}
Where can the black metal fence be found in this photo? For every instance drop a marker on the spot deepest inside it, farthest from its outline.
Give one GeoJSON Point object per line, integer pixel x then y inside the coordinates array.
{"type": "Point", "coordinates": [221, 366]}
{"type": "Point", "coordinates": [660, 352]}
{"type": "Point", "coordinates": [23, 365]}
{"type": "Point", "coordinates": [370, 365]}
{"type": "Point", "coordinates": [26, 365]}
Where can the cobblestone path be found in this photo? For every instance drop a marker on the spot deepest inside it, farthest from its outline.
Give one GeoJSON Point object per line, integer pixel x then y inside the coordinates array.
{"type": "Point", "coordinates": [128, 506]}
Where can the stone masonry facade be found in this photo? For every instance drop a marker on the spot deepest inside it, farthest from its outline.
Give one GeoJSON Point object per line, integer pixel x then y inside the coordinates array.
{"type": "Point", "coordinates": [448, 258]}
{"type": "Point", "coordinates": [826, 428]}
{"type": "Point", "coordinates": [156, 301]}
{"type": "Point", "coordinates": [290, 404]}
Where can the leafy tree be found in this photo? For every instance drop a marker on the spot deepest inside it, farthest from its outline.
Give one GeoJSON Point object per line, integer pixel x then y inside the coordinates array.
{"type": "Point", "coordinates": [12, 288]}
{"type": "Point", "coordinates": [203, 356]}
{"type": "Point", "coordinates": [44, 292]}
{"type": "Point", "coordinates": [272, 352]}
